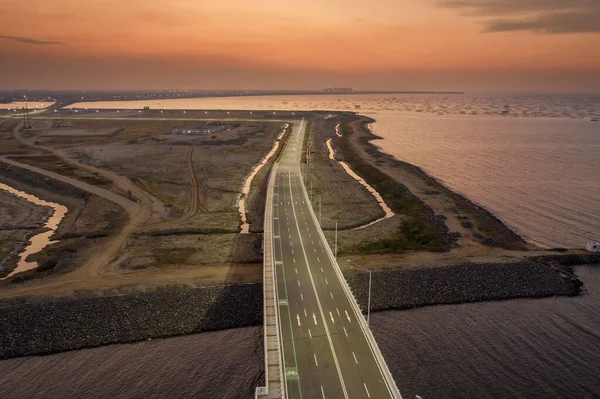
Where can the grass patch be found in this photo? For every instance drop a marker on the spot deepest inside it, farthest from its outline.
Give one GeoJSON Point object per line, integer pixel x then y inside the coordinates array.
{"type": "Point", "coordinates": [307, 137]}
{"type": "Point", "coordinates": [190, 231]}
{"type": "Point", "coordinates": [418, 231]}
{"type": "Point", "coordinates": [151, 187]}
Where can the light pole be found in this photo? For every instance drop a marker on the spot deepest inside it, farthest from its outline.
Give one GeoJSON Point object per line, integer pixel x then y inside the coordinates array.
{"type": "Point", "coordinates": [370, 280]}
{"type": "Point", "coordinates": [336, 240]}
{"type": "Point", "coordinates": [319, 209]}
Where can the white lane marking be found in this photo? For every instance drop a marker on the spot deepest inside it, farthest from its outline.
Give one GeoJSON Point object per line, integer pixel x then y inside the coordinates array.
{"type": "Point", "coordinates": [296, 270]}
{"type": "Point", "coordinates": [322, 270]}
{"type": "Point", "coordinates": [331, 295]}
{"type": "Point", "coordinates": [315, 249]}
{"type": "Point", "coordinates": [301, 296]}
{"type": "Point", "coordinates": [312, 242]}
{"type": "Point", "coordinates": [294, 260]}
{"type": "Point", "coordinates": [345, 332]}
{"type": "Point", "coordinates": [330, 315]}
{"type": "Point", "coordinates": [292, 251]}
{"type": "Point", "coordinates": [317, 363]}
{"type": "Point", "coordinates": [298, 283]}
{"type": "Point", "coordinates": [305, 315]}
{"type": "Point", "coordinates": [309, 333]}
{"type": "Point", "coordinates": [368, 394]}
{"type": "Point", "coordinates": [326, 282]}
{"type": "Point", "coordinates": [354, 356]}
{"type": "Point", "coordinates": [322, 392]}
{"type": "Point", "coordinates": [318, 260]}
{"type": "Point", "coordinates": [349, 321]}
{"type": "Point", "coordinates": [298, 317]}
{"type": "Point", "coordinates": [315, 319]}
{"type": "Point", "coordinates": [335, 359]}
{"type": "Point", "coordinates": [338, 311]}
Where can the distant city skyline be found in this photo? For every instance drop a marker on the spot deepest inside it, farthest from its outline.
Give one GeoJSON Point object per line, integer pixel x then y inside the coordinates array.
{"type": "Point", "coordinates": [460, 45]}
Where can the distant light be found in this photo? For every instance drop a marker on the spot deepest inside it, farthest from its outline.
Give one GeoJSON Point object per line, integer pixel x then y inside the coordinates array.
{"type": "Point", "coordinates": [273, 112]}
{"type": "Point", "coordinates": [54, 110]}
{"type": "Point", "coordinates": [184, 112]}
{"type": "Point", "coordinates": [250, 111]}
{"type": "Point", "coordinates": [96, 110]}
{"type": "Point", "coordinates": [118, 111]}
{"type": "Point", "coordinates": [227, 111]}
{"type": "Point", "coordinates": [206, 112]}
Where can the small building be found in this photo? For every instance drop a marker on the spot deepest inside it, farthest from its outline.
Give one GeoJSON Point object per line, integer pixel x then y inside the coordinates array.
{"type": "Point", "coordinates": [593, 246]}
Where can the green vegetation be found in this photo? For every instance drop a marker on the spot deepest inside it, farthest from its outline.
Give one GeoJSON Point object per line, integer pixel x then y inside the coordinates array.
{"type": "Point", "coordinates": [305, 143]}
{"type": "Point", "coordinates": [417, 232]}
{"type": "Point", "coordinates": [190, 231]}
{"type": "Point", "coordinates": [151, 187]}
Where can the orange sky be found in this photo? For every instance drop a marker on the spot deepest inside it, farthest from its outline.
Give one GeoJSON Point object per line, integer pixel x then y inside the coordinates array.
{"type": "Point", "coordinates": [277, 44]}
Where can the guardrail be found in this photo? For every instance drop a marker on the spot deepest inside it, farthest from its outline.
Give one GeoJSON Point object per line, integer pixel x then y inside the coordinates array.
{"type": "Point", "coordinates": [358, 313]}
{"type": "Point", "coordinates": [274, 382]}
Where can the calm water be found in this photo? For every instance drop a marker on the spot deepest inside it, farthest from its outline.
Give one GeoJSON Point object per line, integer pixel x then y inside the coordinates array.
{"type": "Point", "coordinates": [529, 348]}
{"type": "Point", "coordinates": [536, 168]}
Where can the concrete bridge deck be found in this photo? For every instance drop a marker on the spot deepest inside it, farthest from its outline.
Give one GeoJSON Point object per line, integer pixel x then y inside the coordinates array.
{"type": "Point", "coordinates": [326, 350]}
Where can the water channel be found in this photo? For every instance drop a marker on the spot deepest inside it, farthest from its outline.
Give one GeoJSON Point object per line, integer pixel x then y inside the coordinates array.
{"type": "Point", "coordinates": [42, 239]}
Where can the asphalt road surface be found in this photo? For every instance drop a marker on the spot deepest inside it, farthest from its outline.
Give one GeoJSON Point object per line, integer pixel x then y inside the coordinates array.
{"type": "Point", "coordinates": [325, 350]}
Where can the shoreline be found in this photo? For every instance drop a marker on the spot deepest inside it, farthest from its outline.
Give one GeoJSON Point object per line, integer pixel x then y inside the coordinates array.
{"type": "Point", "coordinates": [512, 240]}
{"type": "Point", "coordinates": [45, 326]}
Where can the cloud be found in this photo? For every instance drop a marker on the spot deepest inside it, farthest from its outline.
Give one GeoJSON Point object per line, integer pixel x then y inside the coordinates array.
{"type": "Point", "coordinates": [27, 40]}
{"type": "Point", "coordinates": [542, 16]}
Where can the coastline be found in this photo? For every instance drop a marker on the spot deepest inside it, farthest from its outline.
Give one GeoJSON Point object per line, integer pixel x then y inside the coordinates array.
{"type": "Point", "coordinates": [498, 233]}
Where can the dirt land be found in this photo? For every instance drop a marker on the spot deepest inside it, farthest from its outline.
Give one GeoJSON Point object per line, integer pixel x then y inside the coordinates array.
{"type": "Point", "coordinates": [186, 187]}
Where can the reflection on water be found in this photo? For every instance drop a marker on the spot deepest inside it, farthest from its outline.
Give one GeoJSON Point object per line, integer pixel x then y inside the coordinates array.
{"type": "Point", "coordinates": [32, 105]}
{"type": "Point", "coordinates": [41, 240]}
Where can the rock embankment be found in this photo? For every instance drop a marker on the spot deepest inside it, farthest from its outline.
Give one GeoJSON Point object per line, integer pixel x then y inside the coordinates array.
{"type": "Point", "coordinates": [405, 289]}
{"type": "Point", "coordinates": [62, 325]}
{"type": "Point", "coordinates": [50, 326]}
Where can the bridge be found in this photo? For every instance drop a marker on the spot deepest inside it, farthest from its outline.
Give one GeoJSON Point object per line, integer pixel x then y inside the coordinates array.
{"type": "Point", "coordinates": [317, 343]}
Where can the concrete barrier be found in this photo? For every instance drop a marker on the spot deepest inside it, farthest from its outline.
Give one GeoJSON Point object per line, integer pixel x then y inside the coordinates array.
{"type": "Point", "coordinates": [274, 382]}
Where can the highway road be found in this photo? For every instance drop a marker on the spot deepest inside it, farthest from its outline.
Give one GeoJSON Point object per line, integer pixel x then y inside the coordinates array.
{"type": "Point", "coordinates": [325, 348]}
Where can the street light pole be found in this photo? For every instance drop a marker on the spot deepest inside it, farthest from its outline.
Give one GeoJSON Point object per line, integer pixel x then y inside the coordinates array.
{"type": "Point", "coordinates": [370, 284]}
{"type": "Point", "coordinates": [319, 210]}
{"type": "Point", "coordinates": [336, 240]}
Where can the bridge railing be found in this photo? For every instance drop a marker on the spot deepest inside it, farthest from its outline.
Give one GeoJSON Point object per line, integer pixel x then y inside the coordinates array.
{"type": "Point", "coordinates": [274, 382]}
{"type": "Point", "coordinates": [359, 315]}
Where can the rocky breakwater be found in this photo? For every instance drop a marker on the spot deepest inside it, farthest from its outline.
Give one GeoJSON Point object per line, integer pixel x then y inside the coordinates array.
{"type": "Point", "coordinates": [405, 289]}
{"type": "Point", "coordinates": [49, 326]}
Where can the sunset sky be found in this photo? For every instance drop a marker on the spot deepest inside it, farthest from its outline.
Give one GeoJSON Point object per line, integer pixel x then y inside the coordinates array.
{"type": "Point", "coordinates": [532, 45]}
